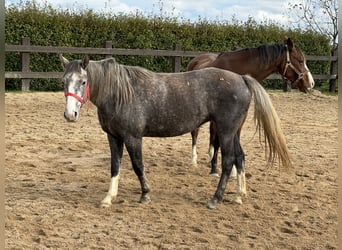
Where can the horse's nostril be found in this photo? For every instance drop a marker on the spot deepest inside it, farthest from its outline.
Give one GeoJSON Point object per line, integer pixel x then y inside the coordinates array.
{"type": "Point", "coordinates": [71, 117]}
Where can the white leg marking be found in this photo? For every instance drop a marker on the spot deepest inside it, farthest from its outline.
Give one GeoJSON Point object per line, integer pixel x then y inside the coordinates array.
{"type": "Point", "coordinates": [211, 151]}
{"type": "Point", "coordinates": [241, 187]}
{"type": "Point", "coordinates": [233, 173]}
{"type": "Point", "coordinates": [194, 155]}
{"type": "Point", "coordinates": [243, 179]}
{"type": "Point", "coordinates": [112, 192]}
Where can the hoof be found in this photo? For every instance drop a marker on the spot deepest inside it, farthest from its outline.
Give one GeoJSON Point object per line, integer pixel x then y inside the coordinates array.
{"type": "Point", "coordinates": [238, 200]}
{"type": "Point", "coordinates": [214, 174]}
{"type": "Point", "coordinates": [212, 204]}
{"type": "Point", "coordinates": [145, 199]}
{"type": "Point", "coordinates": [107, 201]}
{"type": "Point", "coordinates": [193, 163]}
{"type": "Point", "coordinates": [105, 204]}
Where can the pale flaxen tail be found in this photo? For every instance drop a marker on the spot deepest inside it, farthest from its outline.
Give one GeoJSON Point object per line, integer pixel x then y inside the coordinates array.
{"type": "Point", "coordinates": [267, 119]}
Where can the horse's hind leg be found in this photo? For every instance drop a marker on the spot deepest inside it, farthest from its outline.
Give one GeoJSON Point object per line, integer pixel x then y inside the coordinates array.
{"type": "Point", "coordinates": [213, 152]}
{"type": "Point", "coordinates": [228, 159]}
{"type": "Point", "coordinates": [116, 149]}
{"type": "Point", "coordinates": [240, 165]}
{"type": "Point", "coordinates": [235, 174]}
{"type": "Point", "coordinates": [134, 148]}
{"type": "Point", "coordinates": [194, 135]}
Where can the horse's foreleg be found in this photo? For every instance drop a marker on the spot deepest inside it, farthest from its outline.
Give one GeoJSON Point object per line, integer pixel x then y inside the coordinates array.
{"type": "Point", "coordinates": [145, 189]}
{"type": "Point", "coordinates": [212, 132]}
{"type": "Point", "coordinates": [112, 192]}
{"type": "Point", "coordinates": [134, 148]}
{"type": "Point", "coordinates": [214, 146]}
{"type": "Point", "coordinates": [116, 149]}
{"type": "Point", "coordinates": [194, 135]}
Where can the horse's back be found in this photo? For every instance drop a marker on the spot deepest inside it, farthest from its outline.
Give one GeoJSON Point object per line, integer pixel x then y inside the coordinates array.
{"type": "Point", "coordinates": [228, 79]}
{"type": "Point", "coordinates": [223, 91]}
{"type": "Point", "coordinates": [209, 79]}
{"type": "Point", "coordinates": [172, 104]}
{"type": "Point", "coordinates": [201, 61]}
{"type": "Point", "coordinates": [232, 87]}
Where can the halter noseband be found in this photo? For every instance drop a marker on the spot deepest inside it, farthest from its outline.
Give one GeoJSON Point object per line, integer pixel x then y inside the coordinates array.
{"type": "Point", "coordinates": [289, 64]}
{"type": "Point", "coordinates": [84, 98]}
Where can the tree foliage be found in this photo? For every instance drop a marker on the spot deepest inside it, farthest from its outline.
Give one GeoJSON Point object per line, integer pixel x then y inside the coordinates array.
{"type": "Point", "coordinates": [318, 15]}
{"type": "Point", "coordinates": [47, 26]}
{"type": "Point", "coordinates": [321, 17]}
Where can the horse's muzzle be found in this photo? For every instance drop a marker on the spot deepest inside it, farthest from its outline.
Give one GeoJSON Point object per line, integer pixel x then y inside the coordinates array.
{"type": "Point", "coordinates": [71, 116]}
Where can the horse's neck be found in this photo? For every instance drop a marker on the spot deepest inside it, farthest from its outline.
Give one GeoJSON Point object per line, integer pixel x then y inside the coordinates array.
{"type": "Point", "coordinates": [111, 86]}
{"type": "Point", "coordinates": [96, 91]}
{"type": "Point", "coordinates": [93, 92]}
{"type": "Point", "coordinates": [250, 62]}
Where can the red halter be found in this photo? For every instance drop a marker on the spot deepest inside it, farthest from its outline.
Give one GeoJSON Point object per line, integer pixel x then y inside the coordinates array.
{"type": "Point", "coordinates": [84, 98]}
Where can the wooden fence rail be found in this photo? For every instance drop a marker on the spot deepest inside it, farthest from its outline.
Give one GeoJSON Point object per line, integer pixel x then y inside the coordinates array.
{"type": "Point", "coordinates": [177, 53]}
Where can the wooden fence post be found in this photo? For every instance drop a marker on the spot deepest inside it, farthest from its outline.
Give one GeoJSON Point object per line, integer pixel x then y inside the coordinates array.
{"type": "Point", "coordinates": [287, 86]}
{"type": "Point", "coordinates": [333, 72]}
{"type": "Point", "coordinates": [177, 61]}
{"type": "Point", "coordinates": [108, 45]}
{"type": "Point", "coordinates": [25, 65]}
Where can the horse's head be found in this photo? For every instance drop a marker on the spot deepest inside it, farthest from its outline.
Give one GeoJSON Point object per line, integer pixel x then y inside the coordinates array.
{"type": "Point", "coordinates": [76, 86]}
{"type": "Point", "coordinates": [295, 69]}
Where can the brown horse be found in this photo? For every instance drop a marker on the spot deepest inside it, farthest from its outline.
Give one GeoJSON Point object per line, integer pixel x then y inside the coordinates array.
{"type": "Point", "coordinates": [286, 58]}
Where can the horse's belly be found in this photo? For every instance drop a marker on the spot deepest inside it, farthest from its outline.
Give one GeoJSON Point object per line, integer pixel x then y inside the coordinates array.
{"type": "Point", "coordinates": [172, 128]}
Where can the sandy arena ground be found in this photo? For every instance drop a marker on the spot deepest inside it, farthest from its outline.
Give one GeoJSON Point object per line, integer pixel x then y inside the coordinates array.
{"type": "Point", "coordinates": [57, 173]}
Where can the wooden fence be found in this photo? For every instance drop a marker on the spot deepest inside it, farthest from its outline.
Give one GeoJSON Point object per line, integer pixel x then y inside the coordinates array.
{"type": "Point", "coordinates": [177, 53]}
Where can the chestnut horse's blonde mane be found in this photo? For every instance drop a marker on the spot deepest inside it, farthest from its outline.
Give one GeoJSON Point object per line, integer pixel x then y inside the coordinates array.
{"type": "Point", "coordinates": [111, 80]}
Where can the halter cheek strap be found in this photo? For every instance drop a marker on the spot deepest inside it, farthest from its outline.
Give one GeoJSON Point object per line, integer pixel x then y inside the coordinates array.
{"type": "Point", "coordinates": [289, 64]}
{"type": "Point", "coordinates": [84, 98]}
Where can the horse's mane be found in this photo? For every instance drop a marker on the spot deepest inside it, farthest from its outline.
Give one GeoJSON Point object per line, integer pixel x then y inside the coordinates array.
{"type": "Point", "coordinates": [73, 66]}
{"type": "Point", "coordinates": [267, 53]}
{"type": "Point", "coordinates": [113, 81]}
{"type": "Point", "coordinates": [270, 53]}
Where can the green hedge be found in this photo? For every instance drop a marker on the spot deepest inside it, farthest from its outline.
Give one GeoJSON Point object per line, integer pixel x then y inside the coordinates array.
{"type": "Point", "coordinates": [50, 27]}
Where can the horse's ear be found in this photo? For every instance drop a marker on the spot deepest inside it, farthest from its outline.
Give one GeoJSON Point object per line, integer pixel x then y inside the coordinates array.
{"type": "Point", "coordinates": [85, 61]}
{"type": "Point", "coordinates": [289, 43]}
{"type": "Point", "coordinates": [64, 61]}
